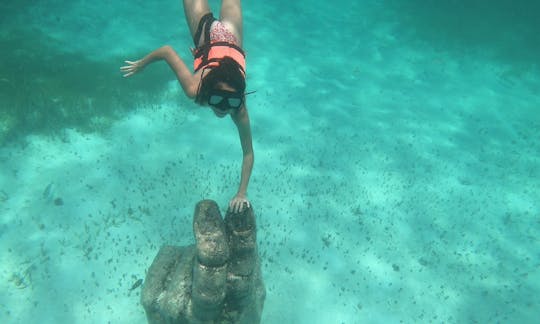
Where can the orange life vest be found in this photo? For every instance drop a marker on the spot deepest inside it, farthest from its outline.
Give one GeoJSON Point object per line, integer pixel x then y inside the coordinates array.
{"type": "Point", "coordinates": [211, 54]}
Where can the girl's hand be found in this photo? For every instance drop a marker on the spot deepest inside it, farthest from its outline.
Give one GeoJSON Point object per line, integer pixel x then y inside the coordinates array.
{"type": "Point", "coordinates": [132, 68]}
{"type": "Point", "coordinates": [238, 203]}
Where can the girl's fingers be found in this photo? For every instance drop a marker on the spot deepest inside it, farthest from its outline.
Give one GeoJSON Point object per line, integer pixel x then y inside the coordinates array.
{"type": "Point", "coordinates": [129, 69]}
{"type": "Point", "coordinates": [131, 64]}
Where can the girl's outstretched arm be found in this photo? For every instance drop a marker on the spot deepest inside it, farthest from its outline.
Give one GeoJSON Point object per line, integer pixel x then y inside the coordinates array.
{"type": "Point", "coordinates": [167, 53]}
{"type": "Point", "coordinates": [240, 200]}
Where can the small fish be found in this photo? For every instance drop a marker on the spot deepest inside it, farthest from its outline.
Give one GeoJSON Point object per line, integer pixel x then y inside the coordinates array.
{"type": "Point", "coordinates": [3, 196]}
{"type": "Point", "coordinates": [48, 193]}
{"type": "Point", "coordinates": [58, 201]}
{"type": "Point", "coordinates": [136, 285]}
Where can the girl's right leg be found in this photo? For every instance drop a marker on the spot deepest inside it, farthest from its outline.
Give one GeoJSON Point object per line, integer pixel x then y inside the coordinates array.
{"type": "Point", "coordinates": [194, 10]}
{"type": "Point", "coordinates": [231, 16]}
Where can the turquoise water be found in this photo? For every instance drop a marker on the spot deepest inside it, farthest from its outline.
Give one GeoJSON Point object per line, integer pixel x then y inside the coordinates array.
{"type": "Point", "coordinates": [397, 157]}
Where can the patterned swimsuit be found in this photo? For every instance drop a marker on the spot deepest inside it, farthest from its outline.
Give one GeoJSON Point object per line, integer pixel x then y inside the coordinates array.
{"type": "Point", "coordinates": [220, 33]}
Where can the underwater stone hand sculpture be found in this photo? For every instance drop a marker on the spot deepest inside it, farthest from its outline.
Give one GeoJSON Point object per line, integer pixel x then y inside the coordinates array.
{"type": "Point", "coordinates": [217, 280]}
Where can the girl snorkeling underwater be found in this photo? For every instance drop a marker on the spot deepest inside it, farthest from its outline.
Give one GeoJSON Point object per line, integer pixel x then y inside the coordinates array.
{"type": "Point", "coordinates": [219, 77]}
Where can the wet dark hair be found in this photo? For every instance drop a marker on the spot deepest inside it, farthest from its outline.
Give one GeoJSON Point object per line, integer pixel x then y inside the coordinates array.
{"type": "Point", "coordinates": [228, 71]}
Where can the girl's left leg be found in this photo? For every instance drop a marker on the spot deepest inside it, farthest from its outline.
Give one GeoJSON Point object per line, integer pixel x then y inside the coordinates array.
{"type": "Point", "coordinates": [194, 10]}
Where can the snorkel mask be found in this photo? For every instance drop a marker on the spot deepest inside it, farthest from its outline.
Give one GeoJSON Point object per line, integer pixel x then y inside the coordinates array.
{"type": "Point", "coordinates": [225, 100]}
